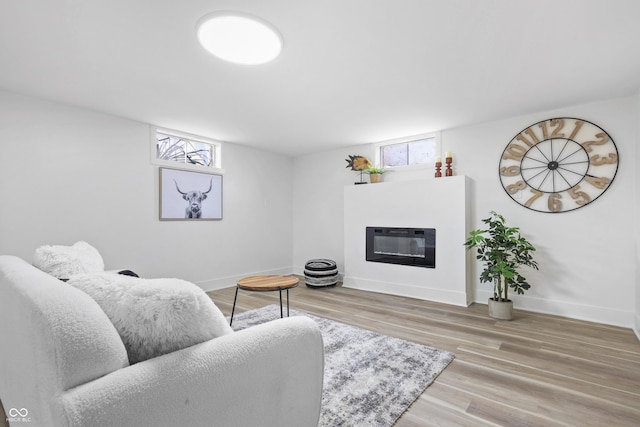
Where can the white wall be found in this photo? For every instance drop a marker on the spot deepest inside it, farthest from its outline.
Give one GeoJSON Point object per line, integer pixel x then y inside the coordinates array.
{"type": "Point", "coordinates": [587, 267]}
{"type": "Point", "coordinates": [67, 174]}
{"type": "Point", "coordinates": [637, 217]}
{"type": "Point", "coordinates": [318, 182]}
{"type": "Point", "coordinates": [587, 256]}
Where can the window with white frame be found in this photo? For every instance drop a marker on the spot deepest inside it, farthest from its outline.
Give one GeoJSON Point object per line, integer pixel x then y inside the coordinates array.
{"type": "Point", "coordinates": [181, 150]}
{"type": "Point", "coordinates": [409, 151]}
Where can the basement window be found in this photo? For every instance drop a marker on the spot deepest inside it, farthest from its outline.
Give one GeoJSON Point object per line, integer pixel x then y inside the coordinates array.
{"type": "Point", "coordinates": [409, 151]}
{"type": "Point", "coordinates": [181, 150]}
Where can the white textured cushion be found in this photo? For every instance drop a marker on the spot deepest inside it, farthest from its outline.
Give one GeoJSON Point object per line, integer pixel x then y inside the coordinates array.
{"type": "Point", "coordinates": [64, 261]}
{"type": "Point", "coordinates": [154, 316]}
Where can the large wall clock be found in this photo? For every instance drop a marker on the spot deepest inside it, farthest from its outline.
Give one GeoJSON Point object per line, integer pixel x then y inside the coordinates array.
{"type": "Point", "coordinates": [558, 165]}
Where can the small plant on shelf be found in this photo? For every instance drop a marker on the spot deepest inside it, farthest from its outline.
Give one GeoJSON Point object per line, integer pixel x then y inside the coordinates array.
{"type": "Point", "coordinates": [375, 173]}
{"type": "Point", "coordinates": [374, 169]}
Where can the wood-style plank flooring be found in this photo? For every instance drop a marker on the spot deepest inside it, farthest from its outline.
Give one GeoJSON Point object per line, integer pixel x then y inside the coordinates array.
{"type": "Point", "coordinates": [536, 370]}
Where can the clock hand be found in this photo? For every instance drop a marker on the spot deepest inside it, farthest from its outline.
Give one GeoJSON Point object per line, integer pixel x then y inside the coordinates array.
{"type": "Point", "coordinates": [561, 151]}
{"type": "Point", "coordinates": [565, 158]}
{"type": "Point", "coordinates": [574, 163]}
{"type": "Point", "coordinates": [545, 162]}
{"type": "Point", "coordinates": [562, 176]}
{"type": "Point", "coordinates": [569, 170]}
{"type": "Point", "coordinates": [543, 179]}
{"type": "Point", "coordinates": [544, 155]}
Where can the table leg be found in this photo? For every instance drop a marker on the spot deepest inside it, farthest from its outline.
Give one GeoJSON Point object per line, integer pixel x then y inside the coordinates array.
{"type": "Point", "coordinates": [281, 314]}
{"type": "Point", "coordinates": [288, 302]}
{"type": "Point", "coordinates": [234, 306]}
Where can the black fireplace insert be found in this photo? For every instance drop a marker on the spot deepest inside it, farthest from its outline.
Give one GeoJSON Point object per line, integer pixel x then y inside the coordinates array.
{"type": "Point", "coordinates": [405, 246]}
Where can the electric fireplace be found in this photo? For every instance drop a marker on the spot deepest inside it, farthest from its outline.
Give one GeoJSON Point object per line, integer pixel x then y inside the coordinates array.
{"type": "Point", "coordinates": [405, 246]}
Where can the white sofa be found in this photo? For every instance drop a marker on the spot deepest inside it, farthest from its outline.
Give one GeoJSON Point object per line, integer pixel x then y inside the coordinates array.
{"type": "Point", "coordinates": [63, 362]}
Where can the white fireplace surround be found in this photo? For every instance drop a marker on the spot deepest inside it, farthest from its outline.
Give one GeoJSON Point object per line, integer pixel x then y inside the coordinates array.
{"type": "Point", "coordinates": [439, 203]}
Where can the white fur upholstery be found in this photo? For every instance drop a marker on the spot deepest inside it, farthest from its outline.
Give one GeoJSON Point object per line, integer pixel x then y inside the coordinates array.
{"type": "Point", "coordinates": [64, 362]}
{"type": "Point", "coordinates": [64, 261]}
{"type": "Point", "coordinates": [154, 316]}
{"type": "Point", "coordinates": [54, 337]}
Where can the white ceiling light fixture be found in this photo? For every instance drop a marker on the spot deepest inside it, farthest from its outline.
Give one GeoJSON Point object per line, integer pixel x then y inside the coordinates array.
{"type": "Point", "coordinates": [239, 37]}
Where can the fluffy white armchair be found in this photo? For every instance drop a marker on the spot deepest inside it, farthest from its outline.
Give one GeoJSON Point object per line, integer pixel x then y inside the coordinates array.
{"type": "Point", "coordinates": [63, 362]}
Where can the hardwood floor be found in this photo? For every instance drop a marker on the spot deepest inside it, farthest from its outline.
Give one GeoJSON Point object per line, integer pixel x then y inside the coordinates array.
{"type": "Point", "coordinates": [536, 370]}
{"type": "Point", "coordinates": [3, 417]}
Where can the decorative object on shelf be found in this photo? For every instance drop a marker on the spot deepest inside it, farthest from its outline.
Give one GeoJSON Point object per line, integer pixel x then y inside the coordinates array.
{"type": "Point", "coordinates": [358, 163]}
{"type": "Point", "coordinates": [438, 167]}
{"type": "Point", "coordinates": [558, 165]}
{"type": "Point", "coordinates": [448, 158]}
{"type": "Point", "coordinates": [502, 250]}
{"type": "Point", "coordinates": [375, 174]}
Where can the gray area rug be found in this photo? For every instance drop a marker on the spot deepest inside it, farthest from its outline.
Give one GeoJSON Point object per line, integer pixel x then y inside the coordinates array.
{"type": "Point", "coordinates": [369, 379]}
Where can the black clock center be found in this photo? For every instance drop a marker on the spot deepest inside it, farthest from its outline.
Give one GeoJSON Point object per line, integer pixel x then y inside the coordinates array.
{"type": "Point", "coordinates": [553, 165]}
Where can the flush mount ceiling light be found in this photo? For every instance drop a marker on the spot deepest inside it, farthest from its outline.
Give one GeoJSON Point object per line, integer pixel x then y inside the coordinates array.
{"type": "Point", "coordinates": [238, 37]}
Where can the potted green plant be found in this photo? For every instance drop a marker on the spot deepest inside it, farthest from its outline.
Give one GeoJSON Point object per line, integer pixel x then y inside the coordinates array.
{"type": "Point", "coordinates": [502, 250]}
{"type": "Point", "coordinates": [375, 173]}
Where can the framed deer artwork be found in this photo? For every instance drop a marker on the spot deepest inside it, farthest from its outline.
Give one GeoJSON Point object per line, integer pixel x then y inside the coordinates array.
{"type": "Point", "coordinates": [190, 196]}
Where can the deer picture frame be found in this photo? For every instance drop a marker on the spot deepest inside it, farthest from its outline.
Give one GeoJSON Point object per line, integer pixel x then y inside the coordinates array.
{"type": "Point", "coordinates": [190, 196]}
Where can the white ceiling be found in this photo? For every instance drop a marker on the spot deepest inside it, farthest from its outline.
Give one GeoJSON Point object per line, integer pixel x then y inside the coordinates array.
{"type": "Point", "coordinates": [351, 71]}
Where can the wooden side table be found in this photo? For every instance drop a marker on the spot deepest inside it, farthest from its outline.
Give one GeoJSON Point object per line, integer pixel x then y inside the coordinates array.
{"type": "Point", "coordinates": [265, 284]}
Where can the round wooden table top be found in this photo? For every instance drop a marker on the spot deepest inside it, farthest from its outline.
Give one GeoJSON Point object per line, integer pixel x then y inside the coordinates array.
{"type": "Point", "coordinates": [267, 283]}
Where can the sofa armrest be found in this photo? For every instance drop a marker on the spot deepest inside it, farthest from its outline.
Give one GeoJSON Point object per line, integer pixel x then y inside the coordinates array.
{"type": "Point", "coordinates": [266, 375]}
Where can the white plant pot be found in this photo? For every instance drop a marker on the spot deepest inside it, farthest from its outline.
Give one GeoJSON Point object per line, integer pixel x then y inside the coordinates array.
{"type": "Point", "coordinates": [502, 310]}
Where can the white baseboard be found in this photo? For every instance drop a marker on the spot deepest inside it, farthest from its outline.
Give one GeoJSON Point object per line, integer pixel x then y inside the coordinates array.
{"type": "Point", "coordinates": [229, 281]}
{"type": "Point", "coordinates": [626, 319]}
{"type": "Point", "coordinates": [589, 313]}
{"type": "Point", "coordinates": [401, 289]}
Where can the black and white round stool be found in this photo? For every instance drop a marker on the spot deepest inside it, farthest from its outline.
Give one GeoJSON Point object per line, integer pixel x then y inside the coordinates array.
{"type": "Point", "coordinates": [320, 273]}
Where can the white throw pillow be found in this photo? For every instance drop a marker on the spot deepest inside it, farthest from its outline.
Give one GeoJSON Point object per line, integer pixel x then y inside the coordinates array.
{"type": "Point", "coordinates": [64, 261]}
{"type": "Point", "coordinates": [154, 316]}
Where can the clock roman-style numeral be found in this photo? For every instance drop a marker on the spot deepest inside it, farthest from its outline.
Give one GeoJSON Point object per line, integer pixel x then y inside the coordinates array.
{"type": "Point", "coordinates": [603, 138]}
{"type": "Point", "coordinates": [536, 194]}
{"type": "Point", "coordinates": [580, 197]}
{"type": "Point", "coordinates": [579, 124]}
{"type": "Point", "coordinates": [554, 202]}
{"type": "Point", "coordinates": [597, 159]}
{"type": "Point", "coordinates": [533, 136]}
{"type": "Point", "coordinates": [559, 124]}
{"type": "Point", "coordinates": [510, 170]}
{"type": "Point", "coordinates": [598, 182]}
{"type": "Point", "coordinates": [514, 188]}
{"type": "Point", "coordinates": [514, 152]}
{"type": "Point", "coordinates": [543, 126]}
